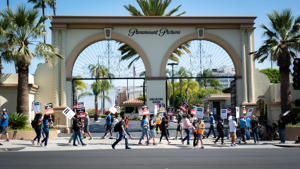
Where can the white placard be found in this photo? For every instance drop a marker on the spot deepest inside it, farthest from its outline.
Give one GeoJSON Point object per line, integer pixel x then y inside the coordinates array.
{"type": "Point", "coordinates": [68, 113]}
{"type": "Point", "coordinates": [237, 112]}
{"type": "Point", "coordinates": [155, 109]}
{"type": "Point", "coordinates": [249, 112]}
{"type": "Point", "coordinates": [224, 113]}
{"type": "Point", "coordinates": [37, 106]}
{"type": "Point", "coordinates": [113, 110]}
{"type": "Point", "coordinates": [199, 112]}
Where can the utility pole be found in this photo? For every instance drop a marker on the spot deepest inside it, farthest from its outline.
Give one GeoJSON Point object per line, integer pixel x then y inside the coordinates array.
{"type": "Point", "coordinates": [173, 64]}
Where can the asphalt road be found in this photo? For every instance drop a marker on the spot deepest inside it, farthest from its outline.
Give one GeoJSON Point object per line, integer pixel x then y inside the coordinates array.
{"type": "Point", "coordinates": [154, 159]}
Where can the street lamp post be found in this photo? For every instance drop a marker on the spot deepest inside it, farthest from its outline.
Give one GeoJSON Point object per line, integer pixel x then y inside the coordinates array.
{"type": "Point", "coordinates": [173, 64]}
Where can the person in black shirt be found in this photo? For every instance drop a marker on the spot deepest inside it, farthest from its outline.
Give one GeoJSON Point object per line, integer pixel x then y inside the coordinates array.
{"type": "Point", "coordinates": [120, 127]}
{"type": "Point", "coordinates": [254, 128]}
{"type": "Point", "coordinates": [164, 129]}
{"type": "Point", "coordinates": [76, 127]}
{"type": "Point", "coordinates": [220, 129]}
{"type": "Point", "coordinates": [281, 128]}
{"type": "Point", "coordinates": [152, 130]}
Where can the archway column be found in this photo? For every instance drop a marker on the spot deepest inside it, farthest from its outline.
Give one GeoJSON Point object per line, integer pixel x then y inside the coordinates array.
{"type": "Point", "coordinates": [156, 92]}
{"type": "Point", "coordinates": [244, 68]}
{"type": "Point", "coordinates": [250, 66]}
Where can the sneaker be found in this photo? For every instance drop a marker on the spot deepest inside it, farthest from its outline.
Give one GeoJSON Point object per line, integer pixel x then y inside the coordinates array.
{"type": "Point", "coordinates": [7, 140]}
{"type": "Point", "coordinates": [154, 144]}
{"type": "Point", "coordinates": [202, 147]}
{"type": "Point", "coordinates": [232, 145]}
{"type": "Point", "coordinates": [215, 142]}
{"type": "Point", "coordinates": [74, 144]}
{"type": "Point", "coordinates": [113, 147]}
{"type": "Point", "coordinates": [182, 141]}
{"type": "Point", "coordinates": [91, 138]}
{"type": "Point", "coordinates": [41, 144]}
{"type": "Point", "coordinates": [169, 142]}
{"type": "Point", "coordinates": [175, 138]}
{"type": "Point", "coordinates": [140, 143]}
{"type": "Point", "coordinates": [127, 148]}
{"type": "Point", "coordinates": [83, 144]}
{"type": "Point", "coordinates": [111, 137]}
{"type": "Point", "coordinates": [32, 141]}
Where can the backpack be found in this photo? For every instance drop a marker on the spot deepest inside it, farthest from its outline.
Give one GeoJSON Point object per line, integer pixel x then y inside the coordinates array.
{"type": "Point", "coordinates": [118, 127]}
{"type": "Point", "coordinates": [33, 123]}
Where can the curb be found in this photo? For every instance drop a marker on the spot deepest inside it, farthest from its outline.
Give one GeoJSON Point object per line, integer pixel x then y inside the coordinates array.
{"type": "Point", "coordinates": [11, 149]}
{"type": "Point", "coordinates": [287, 145]}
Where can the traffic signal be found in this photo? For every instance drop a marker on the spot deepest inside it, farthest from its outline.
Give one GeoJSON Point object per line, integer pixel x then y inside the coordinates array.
{"type": "Point", "coordinates": [296, 74]}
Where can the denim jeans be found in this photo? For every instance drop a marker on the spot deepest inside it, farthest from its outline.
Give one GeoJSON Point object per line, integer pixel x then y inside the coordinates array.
{"type": "Point", "coordinates": [46, 131]}
{"type": "Point", "coordinates": [73, 137]}
{"type": "Point", "coordinates": [282, 135]}
{"type": "Point", "coordinates": [211, 129]}
{"type": "Point", "coordinates": [144, 132]}
{"type": "Point", "coordinates": [255, 135]}
{"type": "Point", "coordinates": [77, 134]}
{"type": "Point", "coordinates": [121, 136]}
{"type": "Point", "coordinates": [187, 137]}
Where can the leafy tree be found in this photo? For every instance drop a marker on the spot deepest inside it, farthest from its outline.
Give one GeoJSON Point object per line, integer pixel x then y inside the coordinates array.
{"type": "Point", "coordinates": [80, 88]}
{"type": "Point", "coordinates": [152, 8]}
{"type": "Point", "coordinates": [273, 74]}
{"type": "Point", "coordinates": [282, 45]}
{"type": "Point", "coordinates": [24, 28]}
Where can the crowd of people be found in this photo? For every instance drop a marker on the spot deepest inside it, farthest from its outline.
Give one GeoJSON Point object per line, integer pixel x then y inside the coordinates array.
{"type": "Point", "coordinates": [151, 126]}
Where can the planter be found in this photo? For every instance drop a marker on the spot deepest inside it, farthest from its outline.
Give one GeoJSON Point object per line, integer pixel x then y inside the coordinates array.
{"type": "Point", "coordinates": [291, 133]}
{"type": "Point", "coordinates": [28, 135]}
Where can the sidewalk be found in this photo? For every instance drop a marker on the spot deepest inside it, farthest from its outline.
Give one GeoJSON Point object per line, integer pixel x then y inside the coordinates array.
{"type": "Point", "coordinates": [61, 144]}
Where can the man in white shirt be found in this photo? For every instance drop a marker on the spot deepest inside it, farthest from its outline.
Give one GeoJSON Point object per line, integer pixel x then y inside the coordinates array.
{"type": "Point", "coordinates": [232, 130]}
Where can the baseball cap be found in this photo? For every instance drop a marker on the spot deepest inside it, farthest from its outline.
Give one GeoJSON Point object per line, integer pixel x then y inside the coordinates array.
{"type": "Point", "coordinates": [4, 110]}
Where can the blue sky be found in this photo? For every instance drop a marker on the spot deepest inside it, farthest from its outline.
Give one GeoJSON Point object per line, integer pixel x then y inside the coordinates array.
{"type": "Point", "coordinates": [257, 8]}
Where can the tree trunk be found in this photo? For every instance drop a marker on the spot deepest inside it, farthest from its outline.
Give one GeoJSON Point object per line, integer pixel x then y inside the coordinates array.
{"type": "Point", "coordinates": [7, 3]}
{"type": "Point", "coordinates": [96, 104]}
{"type": "Point", "coordinates": [22, 97]}
{"type": "Point", "coordinates": [54, 8]}
{"type": "Point", "coordinates": [43, 10]}
{"type": "Point", "coordinates": [103, 102]}
{"type": "Point", "coordinates": [0, 65]}
{"type": "Point", "coordinates": [284, 62]}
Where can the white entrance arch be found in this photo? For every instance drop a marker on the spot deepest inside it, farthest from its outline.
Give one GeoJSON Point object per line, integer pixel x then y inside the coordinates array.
{"type": "Point", "coordinates": [154, 38]}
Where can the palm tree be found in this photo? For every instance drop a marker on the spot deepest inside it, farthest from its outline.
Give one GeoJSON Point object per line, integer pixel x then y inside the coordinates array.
{"type": "Point", "coordinates": [208, 81]}
{"type": "Point", "coordinates": [282, 44]}
{"type": "Point", "coordinates": [100, 89]}
{"type": "Point", "coordinates": [80, 88]}
{"type": "Point", "coordinates": [152, 8]}
{"type": "Point", "coordinates": [24, 28]}
{"type": "Point", "coordinates": [43, 4]}
{"type": "Point", "coordinates": [7, 3]}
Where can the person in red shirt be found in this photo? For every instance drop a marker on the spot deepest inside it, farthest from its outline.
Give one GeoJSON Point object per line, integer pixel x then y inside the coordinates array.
{"type": "Point", "coordinates": [126, 126]}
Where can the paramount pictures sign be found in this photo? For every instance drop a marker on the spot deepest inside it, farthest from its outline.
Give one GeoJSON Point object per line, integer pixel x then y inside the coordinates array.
{"type": "Point", "coordinates": [159, 32]}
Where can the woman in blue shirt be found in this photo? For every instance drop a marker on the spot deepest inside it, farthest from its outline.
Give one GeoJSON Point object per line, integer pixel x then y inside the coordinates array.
{"type": "Point", "coordinates": [4, 124]}
{"type": "Point", "coordinates": [45, 129]}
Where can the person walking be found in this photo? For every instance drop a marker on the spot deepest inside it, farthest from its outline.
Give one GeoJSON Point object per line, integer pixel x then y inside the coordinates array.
{"type": "Point", "coordinates": [144, 127]}
{"type": "Point", "coordinates": [37, 126]}
{"type": "Point", "coordinates": [212, 126]}
{"type": "Point", "coordinates": [73, 133]}
{"type": "Point", "coordinates": [220, 129]}
{"type": "Point", "coordinates": [163, 128]}
{"type": "Point", "coordinates": [46, 125]}
{"type": "Point", "coordinates": [4, 124]}
{"type": "Point", "coordinates": [186, 126]}
{"type": "Point", "coordinates": [108, 125]}
{"type": "Point", "coordinates": [248, 122]}
{"type": "Point", "coordinates": [120, 128]}
{"type": "Point", "coordinates": [195, 128]}
{"type": "Point", "coordinates": [281, 128]}
{"type": "Point", "coordinates": [232, 130]}
{"type": "Point", "coordinates": [167, 123]}
{"type": "Point", "coordinates": [243, 125]}
{"type": "Point", "coordinates": [86, 127]}
{"type": "Point", "coordinates": [158, 123]}
{"type": "Point", "coordinates": [200, 132]}
{"type": "Point", "coordinates": [254, 128]}
{"type": "Point", "coordinates": [77, 134]}
{"type": "Point", "coordinates": [179, 125]}
{"type": "Point", "coordinates": [152, 130]}
{"type": "Point", "coordinates": [126, 120]}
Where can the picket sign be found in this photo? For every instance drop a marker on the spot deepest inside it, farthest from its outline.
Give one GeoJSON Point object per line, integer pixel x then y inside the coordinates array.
{"type": "Point", "coordinates": [68, 113]}
{"type": "Point", "coordinates": [49, 109]}
{"type": "Point", "coordinates": [200, 112]}
{"type": "Point", "coordinates": [224, 113]}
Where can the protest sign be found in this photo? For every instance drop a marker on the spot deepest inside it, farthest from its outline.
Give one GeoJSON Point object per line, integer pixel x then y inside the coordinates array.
{"type": "Point", "coordinates": [224, 113]}
{"type": "Point", "coordinates": [68, 112]}
{"type": "Point", "coordinates": [49, 109]}
{"type": "Point", "coordinates": [200, 112]}
{"type": "Point", "coordinates": [36, 106]}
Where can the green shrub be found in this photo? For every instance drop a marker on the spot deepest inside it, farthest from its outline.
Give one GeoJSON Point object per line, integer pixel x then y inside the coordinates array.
{"type": "Point", "coordinates": [17, 121]}
{"type": "Point", "coordinates": [273, 74]}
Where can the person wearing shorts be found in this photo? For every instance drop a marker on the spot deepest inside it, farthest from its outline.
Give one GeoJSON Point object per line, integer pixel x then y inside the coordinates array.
{"type": "Point", "coordinates": [232, 130]}
{"type": "Point", "coordinates": [151, 127]}
{"type": "Point", "coordinates": [4, 124]}
{"type": "Point", "coordinates": [179, 125]}
{"type": "Point", "coordinates": [158, 123]}
{"type": "Point", "coordinates": [86, 128]}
